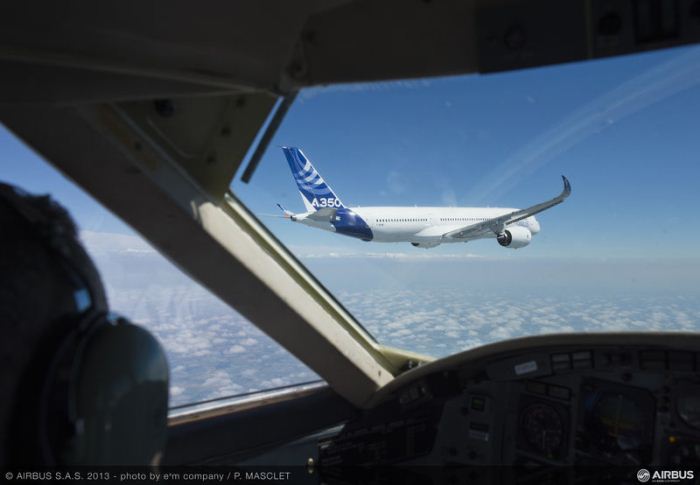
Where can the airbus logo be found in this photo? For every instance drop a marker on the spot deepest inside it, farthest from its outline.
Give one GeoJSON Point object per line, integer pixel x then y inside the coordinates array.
{"type": "Point", "coordinates": [664, 476]}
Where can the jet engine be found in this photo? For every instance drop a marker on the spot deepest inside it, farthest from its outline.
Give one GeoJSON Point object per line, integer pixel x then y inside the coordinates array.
{"type": "Point", "coordinates": [425, 245]}
{"type": "Point", "coordinates": [514, 237]}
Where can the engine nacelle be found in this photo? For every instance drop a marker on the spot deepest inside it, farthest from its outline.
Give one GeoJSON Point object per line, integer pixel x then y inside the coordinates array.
{"type": "Point", "coordinates": [514, 237]}
{"type": "Point", "coordinates": [425, 245]}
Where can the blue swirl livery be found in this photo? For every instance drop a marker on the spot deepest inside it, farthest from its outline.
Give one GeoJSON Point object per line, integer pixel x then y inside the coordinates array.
{"type": "Point", "coordinates": [348, 223]}
{"type": "Point", "coordinates": [323, 208]}
{"type": "Point", "coordinates": [314, 191]}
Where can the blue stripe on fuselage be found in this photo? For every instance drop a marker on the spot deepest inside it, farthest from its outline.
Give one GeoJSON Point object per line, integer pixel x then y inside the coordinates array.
{"type": "Point", "coordinates": [348, 223]}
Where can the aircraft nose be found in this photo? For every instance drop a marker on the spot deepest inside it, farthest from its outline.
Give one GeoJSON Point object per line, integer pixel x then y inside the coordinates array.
{"type": "Point", "coordinates": [535, 226]}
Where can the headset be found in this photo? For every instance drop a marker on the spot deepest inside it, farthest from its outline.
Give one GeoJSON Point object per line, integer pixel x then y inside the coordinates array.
{"type": "Point", "coordinates": [104, 392]}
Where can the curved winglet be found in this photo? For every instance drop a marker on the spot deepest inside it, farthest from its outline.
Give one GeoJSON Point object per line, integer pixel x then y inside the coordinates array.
{"type": "Point", "coordinates": [567, 188]}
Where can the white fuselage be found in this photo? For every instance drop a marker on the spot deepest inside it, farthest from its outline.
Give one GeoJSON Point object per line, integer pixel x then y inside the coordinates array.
{"type": "Point", "coordinates": [422, 225]}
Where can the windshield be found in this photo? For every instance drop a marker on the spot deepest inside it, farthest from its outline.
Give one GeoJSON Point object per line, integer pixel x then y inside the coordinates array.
{"type": "Point", "coordinates": [213, 352]}
{"type": "Point", "coordinates": [402, 160]}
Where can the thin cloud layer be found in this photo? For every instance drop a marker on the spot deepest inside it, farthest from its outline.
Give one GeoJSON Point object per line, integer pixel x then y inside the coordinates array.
{"type": "Point", "coordinates": [442, 322]}
{"type": "Point", "coordinates": [215, 352]}
{"type": "Point", "coordinates": [416, 254]}
{"type": "Point", "coordinates": [212, 350]}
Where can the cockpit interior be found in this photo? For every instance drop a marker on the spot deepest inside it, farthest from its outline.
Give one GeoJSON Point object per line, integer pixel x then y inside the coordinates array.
{"type": "Point", "coordinates": [162, 113]}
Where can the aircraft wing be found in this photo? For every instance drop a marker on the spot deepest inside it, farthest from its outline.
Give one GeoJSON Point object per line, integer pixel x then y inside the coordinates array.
{"type": "Point", "coordinates": [498, 224]}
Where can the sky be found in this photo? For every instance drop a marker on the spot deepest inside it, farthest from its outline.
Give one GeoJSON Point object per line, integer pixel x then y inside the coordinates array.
{"type": "Point", "coordinates": [619, 254]}
{"type": "Point", "coordinates": [623, 130]}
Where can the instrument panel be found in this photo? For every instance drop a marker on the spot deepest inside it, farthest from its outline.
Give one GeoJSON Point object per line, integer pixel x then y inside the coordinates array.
{"type": "Point", "coordinates": [595, 406]}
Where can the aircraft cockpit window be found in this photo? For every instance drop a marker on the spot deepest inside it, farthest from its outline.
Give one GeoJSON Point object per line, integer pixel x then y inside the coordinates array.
{"type": "Point", "coordinates": [213, 351]}
{"type": "Point", "coordinates": [436, 212]}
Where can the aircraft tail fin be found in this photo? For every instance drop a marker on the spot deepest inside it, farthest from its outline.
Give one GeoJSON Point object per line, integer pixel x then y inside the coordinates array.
{"type": "Point", "coordinates": [315, 192]}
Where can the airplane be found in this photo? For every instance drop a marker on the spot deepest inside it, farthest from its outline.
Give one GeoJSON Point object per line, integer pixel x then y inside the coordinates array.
{"type": "Point", "coordinates": [423, 227]}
